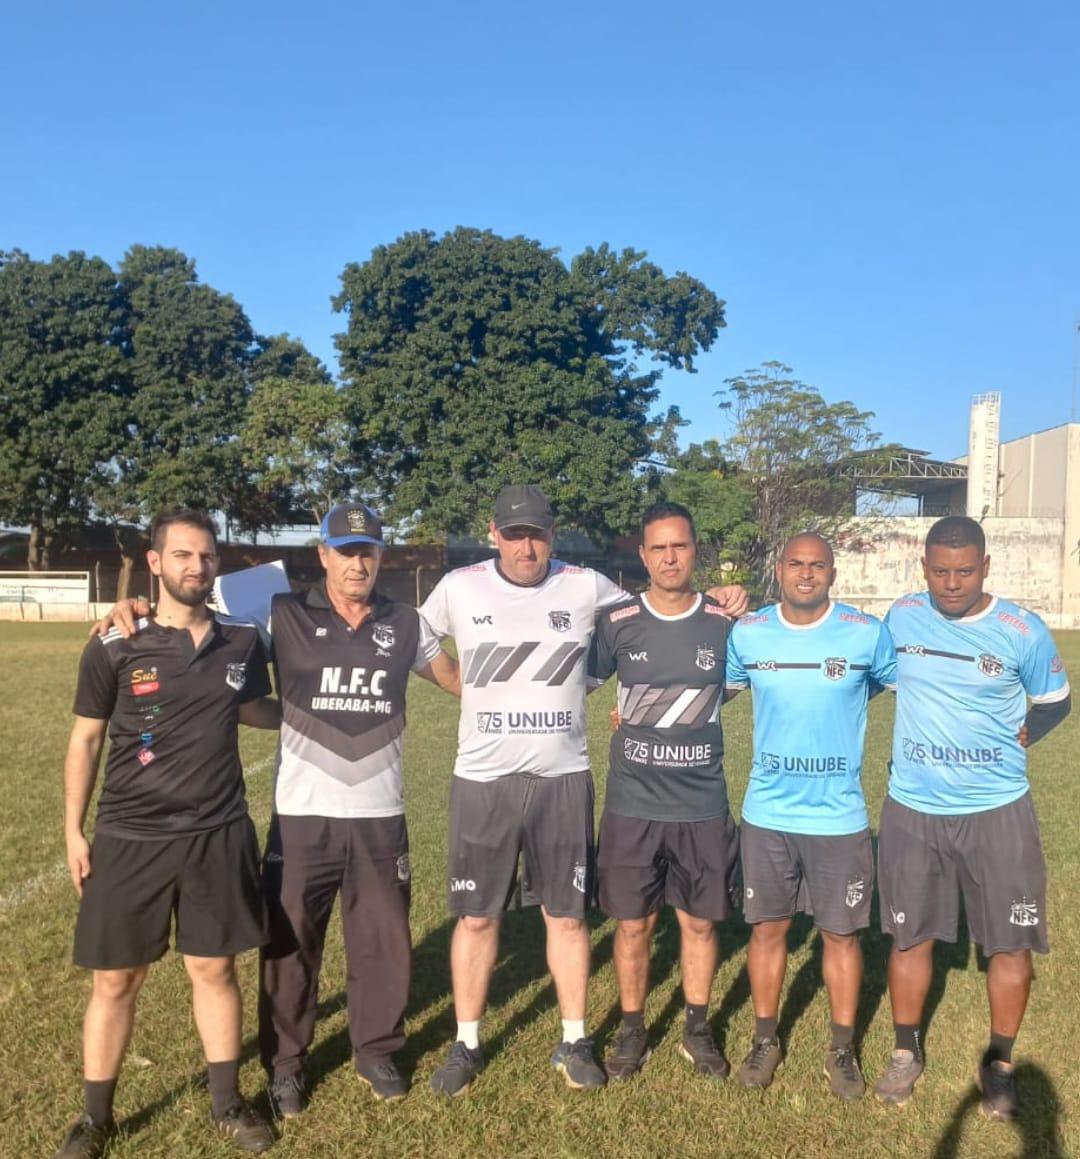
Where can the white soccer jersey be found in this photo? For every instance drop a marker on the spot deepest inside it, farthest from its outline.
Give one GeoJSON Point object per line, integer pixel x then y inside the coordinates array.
{"type": "Point", "coordinates": [523, 653]}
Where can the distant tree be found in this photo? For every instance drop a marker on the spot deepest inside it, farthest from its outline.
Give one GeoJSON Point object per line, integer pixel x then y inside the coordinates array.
{"type": "Point", "coordinates": [190, 350]}
{"type": "Point", "coordinates": [722, 502]}
{"type": "Point", "coordinates": [786, 444]}
{"type": "Point", "coordinates": [472, 360]}
{"type": "Point", "coordinates": [64, 387]}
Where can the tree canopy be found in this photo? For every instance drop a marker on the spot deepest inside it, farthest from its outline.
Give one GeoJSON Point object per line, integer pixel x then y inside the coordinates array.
{"type": "Point", "coordinates": [472, 360]}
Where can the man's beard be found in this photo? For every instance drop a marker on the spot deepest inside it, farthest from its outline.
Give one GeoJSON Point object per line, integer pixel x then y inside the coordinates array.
{"type": "Point", "coordinates": [189, 596]}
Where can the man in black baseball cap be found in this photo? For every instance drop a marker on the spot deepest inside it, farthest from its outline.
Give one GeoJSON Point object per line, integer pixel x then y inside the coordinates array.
{"type": "Point", "coordinates": [349, 523]}
{"type": "Point", "coordinates": [523, 505]}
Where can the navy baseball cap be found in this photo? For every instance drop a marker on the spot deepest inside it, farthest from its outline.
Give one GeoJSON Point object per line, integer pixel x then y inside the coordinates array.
{"type": "Point", "coordinates": [523, 505]}
{"type": "Point", "coordinates": [351, 523]}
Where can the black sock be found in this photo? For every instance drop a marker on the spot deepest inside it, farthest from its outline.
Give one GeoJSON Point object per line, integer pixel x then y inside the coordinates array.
{"type": "Point", "coordinates": [842, 1035]}
{"type": "Point", "coordinates": [696, 1017]}
{"type": "Point", "coordinates": [99, 1096]}
{"type": "Point", "coordinates": [908, 1038]}
{"type": "Point", "coordinates": [765, 1027]}
{"type": "Point", "coordinates": [224, 1085]}
{"type": "Point", "coordinates": [634, 1019]}
{"type": "Point", "coordinates": [1000, 1048]}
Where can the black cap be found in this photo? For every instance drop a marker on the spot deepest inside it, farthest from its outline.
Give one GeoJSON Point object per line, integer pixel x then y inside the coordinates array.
{"type": "Point", "coordinates": [523, 505]}
{"type": "Point", "coordinates": [351, 523]}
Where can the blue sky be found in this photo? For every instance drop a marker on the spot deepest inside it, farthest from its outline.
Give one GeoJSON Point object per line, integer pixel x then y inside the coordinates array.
{"type": "Point", "coordinates": [885, 195]}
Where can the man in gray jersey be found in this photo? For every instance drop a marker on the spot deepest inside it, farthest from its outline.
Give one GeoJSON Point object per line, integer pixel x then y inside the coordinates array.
{"type": "Point", "coordinates": [523, 624]}
{"type": "Point", "coordinates": [666, 834]}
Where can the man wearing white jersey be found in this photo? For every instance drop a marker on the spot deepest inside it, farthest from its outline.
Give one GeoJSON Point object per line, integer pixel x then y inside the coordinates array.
{"type": "Point", "coordinates": [523, 624]}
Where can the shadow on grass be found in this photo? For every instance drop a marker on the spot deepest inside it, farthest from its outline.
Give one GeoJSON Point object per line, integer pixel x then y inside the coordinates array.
{"type": "Point", "coordinates": [1038, 1125]}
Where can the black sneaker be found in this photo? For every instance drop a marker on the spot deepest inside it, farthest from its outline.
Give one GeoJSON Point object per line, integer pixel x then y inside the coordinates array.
{"type": "Point", "coordinates": [629, 1052]}
{"type": "Point", "coordinates": [897, 1084]}
{"type": "Point", "coordinates": [760, 1064]}
{"type": "Point", "coordinates": [245, 1127]}
{"type": "Point", "coordinates": [699, 1047]}
{"type": "Point", "coordinates": [455, 1075]}
{"type": "Point", "coordinates": [384, 1079]}
{"type": "Point", "coordinates": [842, 1071]}
{"type": "Point", "coordinates": [577, 1064]}
{"type": "Point", "coordinates": [86, 1139]}
{"type": "Point", "coordinates": [998, 1088]}
{"type": "Point", "coordinates": [287, 1094]}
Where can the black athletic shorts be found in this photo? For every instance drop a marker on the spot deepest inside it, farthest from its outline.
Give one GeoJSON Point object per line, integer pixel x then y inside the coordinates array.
{"type": "Point", "coordinates": [548, 821]}
{"type": "Point", "coordinates": [829, 877]}
{"type": "Point", "coordinates": [994, 858]}
{"type": "Point", "coordinates": [209, 881]}
{"type": "Point", "coordinates": [691, 865]}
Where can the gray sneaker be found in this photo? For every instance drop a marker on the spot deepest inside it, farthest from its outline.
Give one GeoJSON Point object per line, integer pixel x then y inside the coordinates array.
{"type": "Point", "coordinates": [630, 1051]}
{"type": "Point", "coordinates": [577, 1064]}
{"type": "Point", "coordinates": [287, 1094]}
{"type": "Point", "coordinates": [455, 1075]}
{"type": "Point", "coordinates": [384, 1079]}
{"type": "Point", "coordinates": [86, 1139]}
{"type": "Point", "coordinates": [897, 1084]}
{"type": "Point", "coordinates": [760, 1064]}
{"type": "Point", "coordinates": [842, 1071]}
{"type": "Point", "coordinates": [998, 1091]}
{"type": "Point", "coordinates": [699, 1047]}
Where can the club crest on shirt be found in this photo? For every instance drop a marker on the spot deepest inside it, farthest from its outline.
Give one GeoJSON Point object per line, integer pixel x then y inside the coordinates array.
{"type": "Point", "coordinates": [560, 621]}
{"type": "Point", "coordinates": [578, 880]}
{"type": "Point", "coordinates": [383, 635]}
{"type": "Point", "coordinates": [706, 658]}
{"type": "Point", "coordinates": [990, 665]}
{"type": "Point", "coordinates": [835, 667]}
{"type": "Point", "coordinates": [236, 674]}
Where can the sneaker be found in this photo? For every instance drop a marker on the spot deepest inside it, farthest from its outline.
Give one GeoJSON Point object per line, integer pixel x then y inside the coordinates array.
{"type": "Point", "coordinates": [287, 1094]}
{"type": "Point", "coordinates": [577, 1064]}
{"type": "Point", "coordinates": [455, 1075]}
{"type": "Point", "coordinates": [384, 1079]}
{"type": "Point", "coordinates": [245, 1127]}
{"type": "Point", "coordinates": [760, 1064]}
{"type": "Point", "coordinates": [998, 1088]}
{"type": "Point", "coordinates": [897, 1084]}
{"type": "Point", "coordinates": [699, 1047]}
{"type": "Point", "coordinates": [842, 1071]}
{"type": "Point", "coordinates": [629, 1052]}
{"type": "Point", "coordinates": [86, 1139]}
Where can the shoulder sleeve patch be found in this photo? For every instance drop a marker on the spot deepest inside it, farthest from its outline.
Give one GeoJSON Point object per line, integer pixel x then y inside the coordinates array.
{"type": "Point", "coordinates": [624, 613]}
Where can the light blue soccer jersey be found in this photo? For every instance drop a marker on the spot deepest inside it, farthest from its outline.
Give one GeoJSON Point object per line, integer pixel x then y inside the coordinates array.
{"type": "Point", "coordinates": [962, 689]}
{"type": "Point", "coordinates": [810, 684]}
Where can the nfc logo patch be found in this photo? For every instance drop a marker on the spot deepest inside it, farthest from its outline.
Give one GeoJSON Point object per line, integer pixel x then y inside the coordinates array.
{"type": "Point", "coordinates": [835, 667]}
{"type": "Point", "coordinates": [990, 665]}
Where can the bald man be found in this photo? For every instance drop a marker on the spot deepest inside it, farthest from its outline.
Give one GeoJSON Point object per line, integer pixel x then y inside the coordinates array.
{"type": "Point", "coordinates": [811, 665]}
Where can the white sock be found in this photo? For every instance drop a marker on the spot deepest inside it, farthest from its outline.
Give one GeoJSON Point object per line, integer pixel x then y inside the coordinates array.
{"type": "Point", "coordinates": [469, 1033]}
{"type": "Point", "coordinates": [573, 1029]}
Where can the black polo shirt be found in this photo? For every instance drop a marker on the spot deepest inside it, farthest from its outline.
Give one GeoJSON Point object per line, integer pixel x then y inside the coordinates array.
{"type": "Point", "coordinates": [174, 764]}
{"type": "Point", "coordinates": [343, 703]}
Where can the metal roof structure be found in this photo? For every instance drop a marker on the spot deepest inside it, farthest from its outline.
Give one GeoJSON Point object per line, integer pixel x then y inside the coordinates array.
{"type": "Point", "coordinates": [901, 470]}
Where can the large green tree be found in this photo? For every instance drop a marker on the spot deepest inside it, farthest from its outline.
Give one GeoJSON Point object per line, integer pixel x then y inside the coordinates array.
{"type": "Point", "coordinates": [472, 360]}
{"type": "Point", "coordinates": [64, 386]}
{"type": "Point", "coordinates": [786, 445]}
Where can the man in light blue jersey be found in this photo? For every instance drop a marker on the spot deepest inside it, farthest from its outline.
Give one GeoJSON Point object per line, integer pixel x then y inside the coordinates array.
{"type": "Point", "coordinates": [958, 818]}
{"type": "Point", "coordinates": [812, 665]}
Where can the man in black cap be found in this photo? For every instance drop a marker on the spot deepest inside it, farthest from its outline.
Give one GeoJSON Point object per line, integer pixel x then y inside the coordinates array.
{"type": "Point", "coordinates": [523, 623]}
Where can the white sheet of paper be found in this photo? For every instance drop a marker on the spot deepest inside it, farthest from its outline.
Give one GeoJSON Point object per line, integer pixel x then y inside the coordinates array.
{"type": "Point", "coordinates": [247, 593]}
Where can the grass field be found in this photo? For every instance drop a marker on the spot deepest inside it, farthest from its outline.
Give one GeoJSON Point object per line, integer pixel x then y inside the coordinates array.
{"type": "Point", "coordinates": [520, 1107]}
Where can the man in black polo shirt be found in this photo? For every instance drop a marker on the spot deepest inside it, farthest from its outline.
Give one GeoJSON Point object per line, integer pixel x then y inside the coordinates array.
{"type": "Point", "coordinates": [666, 834]}
{"type": "Point", "coordinates": [173, 834]}
{"type": "Point", "coordinates": [342, 656]}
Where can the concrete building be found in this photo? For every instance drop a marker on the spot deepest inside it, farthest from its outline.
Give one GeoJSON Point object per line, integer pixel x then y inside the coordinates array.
{"type": "Point", "coordinates": [1025, 492]}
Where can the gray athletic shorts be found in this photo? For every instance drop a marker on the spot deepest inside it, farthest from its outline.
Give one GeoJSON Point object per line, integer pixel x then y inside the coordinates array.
{"type": "Point", "coordinates": [548, 821]}
{"type": "Point", "coordinates": [829, 877]}
{"type": "Point", "coordinates": [691, 865]}
{"type": "Point", "coordinates": [993, 858]}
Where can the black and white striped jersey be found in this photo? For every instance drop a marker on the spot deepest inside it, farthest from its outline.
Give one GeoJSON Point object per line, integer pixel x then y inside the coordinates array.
{"type": "Point", "coordinates": [522, 652]}
{"type": "Point", "coordinates": [667, 757]}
